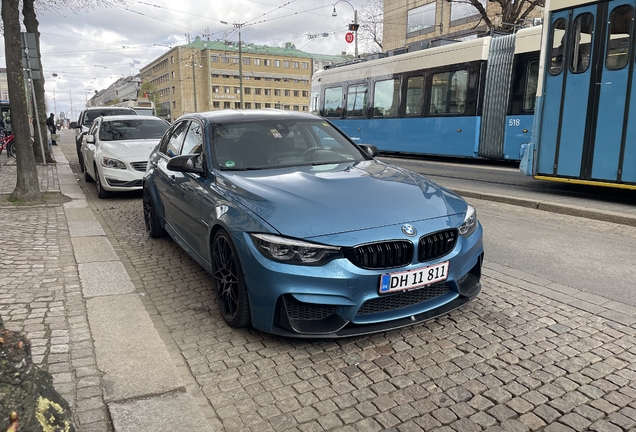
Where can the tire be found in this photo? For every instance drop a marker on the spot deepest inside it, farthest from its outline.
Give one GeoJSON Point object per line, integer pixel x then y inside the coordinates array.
{"type": "Point", "coordinates": [229, 283]}
{"type": "Point", "coordinates": [11, 150]}
{"type": "Point", "coordinates": [101, 192]}
{"type": "Point", "coordinates": [151, 218]}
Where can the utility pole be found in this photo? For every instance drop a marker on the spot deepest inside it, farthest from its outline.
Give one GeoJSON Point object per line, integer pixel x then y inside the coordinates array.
{"type": "Point", "coordinates": [238, 26]}
{"type": "Point", "coordinates": [194, 84]}
{"type": "Point", "coordinates": [70, 95]}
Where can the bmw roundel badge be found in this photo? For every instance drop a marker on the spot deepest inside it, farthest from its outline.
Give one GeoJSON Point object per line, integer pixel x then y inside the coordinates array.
{"type": "Point", "coordinates": [409, 230]}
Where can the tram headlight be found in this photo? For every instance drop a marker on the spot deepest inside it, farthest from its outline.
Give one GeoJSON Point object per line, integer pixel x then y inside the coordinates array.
{"type": "Point", "coordinates": [470, 222]}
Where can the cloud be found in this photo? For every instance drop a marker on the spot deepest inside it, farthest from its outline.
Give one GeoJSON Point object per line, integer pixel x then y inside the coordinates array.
{"type": "Point", "coordinates": [91, 49]}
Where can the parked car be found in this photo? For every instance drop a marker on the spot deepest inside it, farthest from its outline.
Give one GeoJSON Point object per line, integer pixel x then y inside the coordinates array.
{"type": "Point", "coordinates": [86, 119]}
{"type": "Point", "coordinates": [116, 150]}
{"type": "Point", "coordinates": [303, 232]}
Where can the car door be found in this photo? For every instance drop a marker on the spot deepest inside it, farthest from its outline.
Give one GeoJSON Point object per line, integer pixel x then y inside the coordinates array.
{"type": "Point", "coordinates": [165, 179]}
{"type": "Point", "coordinates": [88, 149]}
{"type": "Point", "coordinates": [188, 189]}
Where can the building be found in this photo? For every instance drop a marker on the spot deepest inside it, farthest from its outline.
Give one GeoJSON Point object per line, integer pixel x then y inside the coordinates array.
{"type": "Point", "coordinates": [123, 89]}
{"type": "Point", "coordinates": [204, 76]}
{"type": "Point", "coordinates": [422, 22]}
{"type": "Point", "coordinates": [4, 86]}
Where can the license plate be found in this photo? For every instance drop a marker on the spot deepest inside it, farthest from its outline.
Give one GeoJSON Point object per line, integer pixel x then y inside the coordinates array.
{"type": "Point", "coordinates": [411, 279]}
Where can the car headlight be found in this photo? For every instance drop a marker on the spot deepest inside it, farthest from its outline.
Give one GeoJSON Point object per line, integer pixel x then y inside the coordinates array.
{"type": "Point", "coordinates": [292, 251]}
{"type": "Point", "coordinates": [470, 222]}
{"type": "Point", "coordinates": [112, 163]}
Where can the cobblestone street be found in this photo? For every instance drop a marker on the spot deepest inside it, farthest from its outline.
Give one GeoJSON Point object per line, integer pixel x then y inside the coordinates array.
{"type": "Point", "coordinates": [526, 355]}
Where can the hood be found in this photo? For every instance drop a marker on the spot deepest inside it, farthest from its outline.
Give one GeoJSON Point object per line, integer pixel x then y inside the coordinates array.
{"type": "Point", "coordinates": [306, 202]}
{"type": "Point", "coordinates": [129, 149]}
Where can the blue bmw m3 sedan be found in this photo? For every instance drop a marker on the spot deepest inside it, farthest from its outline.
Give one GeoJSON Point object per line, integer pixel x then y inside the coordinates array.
{"type": "Point", "coordinates": [304, 232]}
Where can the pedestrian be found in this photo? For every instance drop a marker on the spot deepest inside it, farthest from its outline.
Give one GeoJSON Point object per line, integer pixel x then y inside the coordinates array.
{"type": "Point", "coordinates": [50, 122]}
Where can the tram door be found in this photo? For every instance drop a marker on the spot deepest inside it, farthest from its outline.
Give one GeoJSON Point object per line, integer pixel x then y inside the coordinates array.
{"type": "Point", "coordinates": [585, 92]}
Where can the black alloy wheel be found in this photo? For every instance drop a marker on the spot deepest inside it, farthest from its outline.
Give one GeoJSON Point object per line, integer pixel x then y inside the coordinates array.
{"type": "Point", "coordinates": [151, 218]}
{"type": "Point", "coordinates": [229, 283]}
{"type": "Point", "coordinates": [101, 192]}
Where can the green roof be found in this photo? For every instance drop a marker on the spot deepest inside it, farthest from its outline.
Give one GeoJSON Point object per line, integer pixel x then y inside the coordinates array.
{"type": "Point", "coordinates": [290, 50]}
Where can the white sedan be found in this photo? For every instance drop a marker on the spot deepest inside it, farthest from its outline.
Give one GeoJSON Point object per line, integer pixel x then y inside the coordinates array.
{"type": "Point", "coordinates": [116, 151]}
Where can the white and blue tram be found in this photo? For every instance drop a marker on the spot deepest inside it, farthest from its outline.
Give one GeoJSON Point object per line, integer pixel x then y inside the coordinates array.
{"type": "Point", "coordinates": [585, 128]}
{"type": "Point", "coordinates": [472, 99]}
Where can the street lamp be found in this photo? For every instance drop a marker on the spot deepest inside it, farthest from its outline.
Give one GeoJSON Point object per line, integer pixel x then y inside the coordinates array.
{"type": "Point", "coordinates": [355, 22]}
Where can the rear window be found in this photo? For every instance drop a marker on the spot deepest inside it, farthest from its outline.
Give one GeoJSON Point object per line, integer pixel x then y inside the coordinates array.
{"type": "Point", "coordinates": [93, 114]}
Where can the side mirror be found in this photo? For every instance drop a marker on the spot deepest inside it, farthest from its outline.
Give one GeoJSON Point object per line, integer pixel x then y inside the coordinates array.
{"type": "Point", "coordinates": [73, 125]}
{"type": "Point", "coordinates": [185, 163]}
{"type": "Point", "coordinates": [369, 149]}
{"type": "Point", "coordinates": [90, 139]}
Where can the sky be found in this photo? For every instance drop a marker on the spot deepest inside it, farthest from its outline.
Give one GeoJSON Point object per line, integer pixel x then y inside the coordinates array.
{"type": "Point", "coordinates": [89, 50]}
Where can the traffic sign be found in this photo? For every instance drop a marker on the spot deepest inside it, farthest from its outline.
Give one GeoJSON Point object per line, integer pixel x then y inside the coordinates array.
{"type": "Point", "coordinates": [349, 37]}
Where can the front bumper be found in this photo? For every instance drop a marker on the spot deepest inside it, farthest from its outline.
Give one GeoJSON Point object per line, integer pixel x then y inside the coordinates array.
{"type": "Point", "coordinates": [122, 180]}
{"type": "Point", "coordinates": [340, 299]}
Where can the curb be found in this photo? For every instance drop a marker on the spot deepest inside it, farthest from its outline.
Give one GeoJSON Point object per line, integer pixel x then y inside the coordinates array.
{"type": "Point", "coordinates": [570, 210]}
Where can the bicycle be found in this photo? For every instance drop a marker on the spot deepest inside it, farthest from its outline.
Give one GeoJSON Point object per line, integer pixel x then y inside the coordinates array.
{"type": "Point", "coordinates": [8, 142]}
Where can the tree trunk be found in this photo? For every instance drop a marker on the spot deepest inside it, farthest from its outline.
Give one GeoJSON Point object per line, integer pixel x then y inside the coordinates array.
{"type": "Point", "coordinates": [31, 24]}
{"type": "Point", "coordinates": [27, 188]}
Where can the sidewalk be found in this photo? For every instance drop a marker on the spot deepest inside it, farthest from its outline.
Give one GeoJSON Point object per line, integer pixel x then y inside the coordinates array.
{"type": "Point", "coordinates": [63, 284]}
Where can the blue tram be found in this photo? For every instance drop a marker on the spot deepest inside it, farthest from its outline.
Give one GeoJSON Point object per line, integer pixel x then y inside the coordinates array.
{"type": "Point", "coordinates": [472, 99]}
{"type": "Point", "coordinates": [585, 130]}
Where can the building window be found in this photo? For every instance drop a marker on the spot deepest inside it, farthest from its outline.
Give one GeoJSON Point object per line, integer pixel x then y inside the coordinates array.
{"type": "Point", "coordinates": [237, 90]}
{"type": "Point", "coordinates": [421, 20]}
{"type": "Point", "coordinates": [172, 59]}
{"type": "Point", "coordinates": [287, 93]}
{"type": "Point", "coordinates": [268, 105]}
{"type": "Point", "coordinates": [305, 108]}
{"type": "Point", "coordinates": [216, 104]}
{"type": "Point", "coordinates": [296, 108]}
{"type": "Point", "coordinates": [214, 59]}
{"type": "Point", "coordinates": [247, 90]}
{"type": "Point", "coordinates": [226, 89]}
{"type": "Point", "coordinates": [237, 105]}
{"type": "Point", "coordinates": [248, 105]}
{"type": "Point", "coordinates": [305, 65]}
{"type": "Point", "coordinates": [246, 60]}
{"type": "Point", "coordinates": [286, 107]}
{"type": "Point", "coordinates": [268, 92]}
{"type": "Point", "coordinates": [276, 63]}
{"type": "Point", "coordinates": [174, 104]}
{"type": "Point", "coordinates": [257, 105]}
{"type": "Point", "coordinates": [257, 62]}
{"type": "Point", "coordinates": [286, 63]}
{"type": "Point", "coordinates": [257, 78]}
{"type": "Point", "coordinates": [305, 93]}
{"type": "Point", "coordinates": [277, 79]}
{"type": "Point", "coordinates": [296, 93]}
{"type": "Point", "coordinates": [268, 62]}
{"type": "Point", "coordinates": [295, 65]}
{"type": "Point", "coordinates": [226, 105]}
{"type": "Point", "coordinates": [215, 89]}
{"type": "Point", "coordinates": [257, 91]}
{"type": "Point", "coordinates": [225, 59]}
{"type": "Point", "coordinates": [461, 10]}
{"type": "Point", "coordinates": [276, 92]}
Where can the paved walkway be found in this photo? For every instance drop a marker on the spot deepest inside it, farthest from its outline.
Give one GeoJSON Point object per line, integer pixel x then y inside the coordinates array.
{"type": "Point", "coordinates": [548, 356]}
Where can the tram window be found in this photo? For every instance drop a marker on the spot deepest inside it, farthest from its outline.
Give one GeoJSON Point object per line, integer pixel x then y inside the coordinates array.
{"type": "Point", "coordinates": [414, 90]}
{"type": "Point", "coordinates": [448, 93]}
{"type": "Point", "coordinates": [583, 28]}
{"type": "Point", "coordinates": [532, 76]}
{"type": "Point", "coordinates": [333, 102]}
{"type": "Point", "coordinates": [619, 37]}
{"type": "Point", "coordinates": [386, 97]}
{"type": "Point", "coordinates": [558, 42]}
{"type": "Point", "coordinates": [357, 100]}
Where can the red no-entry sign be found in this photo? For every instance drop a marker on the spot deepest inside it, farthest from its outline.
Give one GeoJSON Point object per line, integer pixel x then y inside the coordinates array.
{"type": "Point", "coordinates": [349, 37]}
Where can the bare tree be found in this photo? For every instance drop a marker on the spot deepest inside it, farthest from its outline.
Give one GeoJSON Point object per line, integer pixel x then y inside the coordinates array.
{"type": "Point", "coordinates": [370, 18]}
{"type": "Point", "coordinates": [27, 188]}
{"type": "Point", "coordinates": [512, 13]}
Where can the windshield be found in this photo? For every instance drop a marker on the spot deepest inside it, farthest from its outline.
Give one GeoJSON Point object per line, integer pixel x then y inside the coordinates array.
{"type": "Point", "coordinates": [280, 143]}
{"type": "Point", "coordinates": [144, 111]}
{"type": "Point", "coordinates": [119, 130]}
{"type": "Point", "coordinates": [93, 114]}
